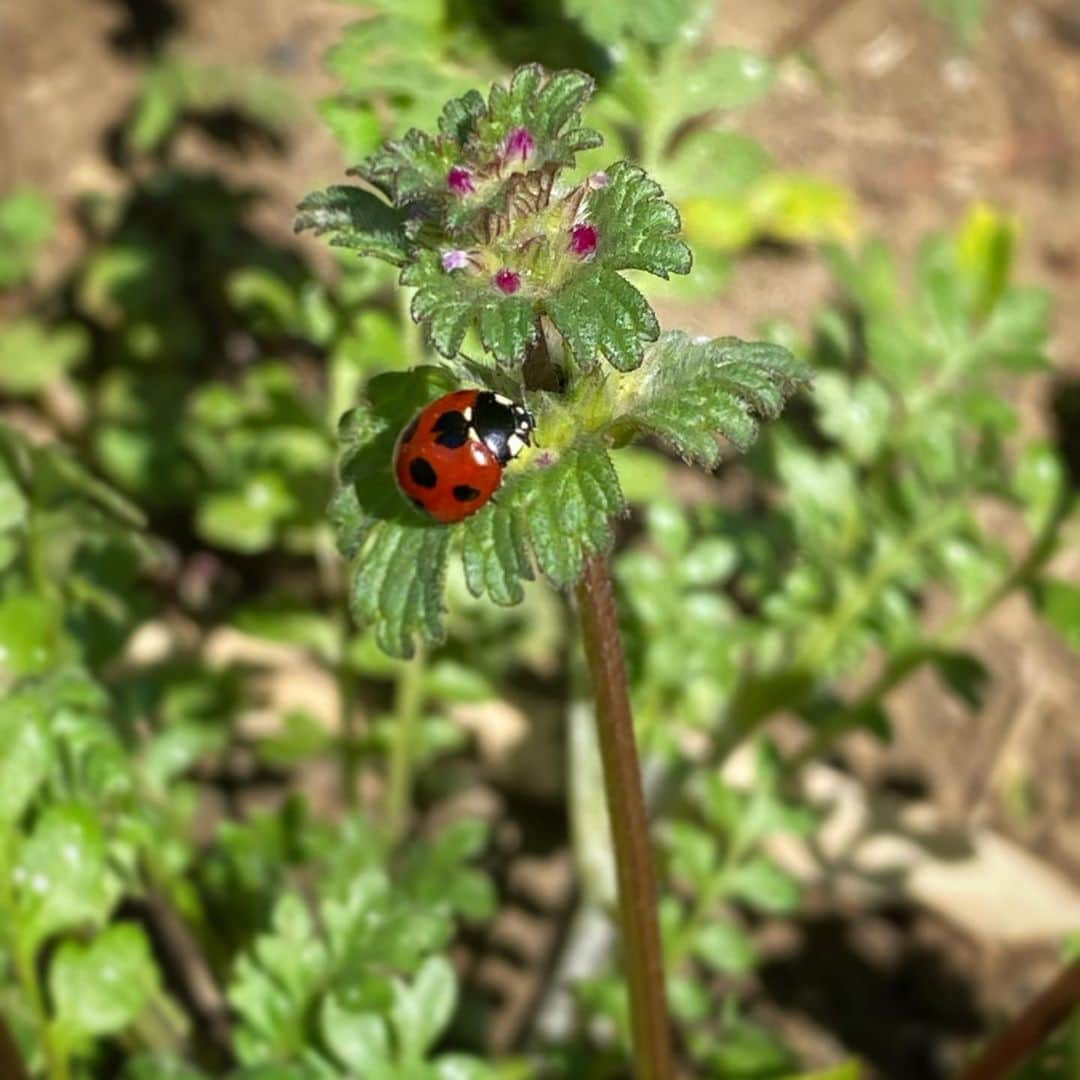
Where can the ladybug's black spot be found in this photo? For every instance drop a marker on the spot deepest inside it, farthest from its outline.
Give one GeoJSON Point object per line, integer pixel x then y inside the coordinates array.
{"type": "Point", "coordinates": [422, 473]}
{"type": "Point", "coordinates": [464, 493]}
{"type": "Point", "coordinates": [418, 503]}
{"type": "Point", "coordinates": [452, 429]}
{"type": "Point", "coordinates": [410, 431]}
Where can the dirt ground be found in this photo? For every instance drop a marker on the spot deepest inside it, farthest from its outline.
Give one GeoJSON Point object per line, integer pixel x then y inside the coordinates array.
{"type": "Point", "coordinates": [918, 129]}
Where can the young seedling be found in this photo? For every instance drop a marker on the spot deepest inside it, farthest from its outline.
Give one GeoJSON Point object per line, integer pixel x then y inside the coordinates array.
{"type": "Point", "coordinates": [518, 271]}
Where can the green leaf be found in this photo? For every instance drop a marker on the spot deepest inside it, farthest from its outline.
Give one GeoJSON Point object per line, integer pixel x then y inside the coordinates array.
{"type": "Point", "coordinates": [1041, 484]}
{"type": "Point", "coordinates": [565, 510]}
{"type": "Point", "coordinates": [246, 520]}
{"type": "Point", "coordinates": [99, 989]}
{"type": "Point", "coordinates": [274, 984]}
{"type": "Point", "coordinates": [360, 1041]}
{"type": "Point", "coordinates": [30, 634]}
{"type": "Point", "coordinates": [638, 228]}
{"type": "Point", "coordinates": [693, 853]}
{"type": "Point", "coordinates": [291, 622]}
{"type": "Point", "coordinates": [725, 947]}
{"type": "Point", "coordinates": [653, 22]}
{"type": "Point", "coordinates": [385, 538]}
{"type": "Point", "coordinates": [472, 134]}
{"type": "Point", "coordinates": [460, 1067]}
{"type": "Point", "coordinates": [355, 126]}
{"type": "Point", "coordinates": [24, 752]}
{"type": "Point", "coordinates": [61, 878]}
{"type": "Point", "coordinates": [764, 885]}
{"type": "Point", "coordinates": [421, 1011]}
{"type": "Point", "coordinates": [355, 219]}
{"type": "Point", "coordinates": [726, 78]}
{"type": "Point", "coordinates": [160, 1067]}
{"type": "Point", "coordinates": [689, 393]}
{"type": "Point", "coordinates": [965, 16]}
{"type": "Point", "coordinates": [601, 312]}
{"type": "Point", "coordinates": [985, 247]}
{"type": "Point", "coordinates": [495, 553]}
{"type": "Point", "coordinates": [964, 674]}
{"type": "Point", "coordinates": [856, 414]}
{"type": "Point", "coordinates": [1059, 604]}
{"type": "Point", "coordinates": [398, 584]}
{"type": "Point", "coordinates": [26, 223]}
{"type": "Point", "coordinates": [33, 355]}
{"type": "Point", "coordinates": [450, 304]}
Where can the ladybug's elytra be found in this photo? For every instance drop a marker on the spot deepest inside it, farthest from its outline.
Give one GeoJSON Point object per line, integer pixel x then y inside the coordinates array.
{"type": "Point", "coordinates": [449, 458]}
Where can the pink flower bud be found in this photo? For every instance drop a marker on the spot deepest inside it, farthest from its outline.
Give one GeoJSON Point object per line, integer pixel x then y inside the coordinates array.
{"type": "Point", "coordinates": [508, 281]}
{"type": "Point", "coordinates": [459, 181]}
{"type": "Point", "coordinates": [454, 260]}
{"type": "Point", "coordinates": [583, 240]}
{"type": "Point", "coordinates": [598, 180]}
{"type": "Point", "coordinates": [520, 143]}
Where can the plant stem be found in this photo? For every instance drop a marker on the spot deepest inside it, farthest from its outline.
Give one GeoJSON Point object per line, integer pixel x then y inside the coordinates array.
{"type": "Point", "coordinates": [12, 1066]}
{"type": "Point", "coordinates": [649, 1021]}
{"type": "Point", "coordinates": [1029, 1030]}
{"type": "Point", "coordinates": [56, 1058]}
{"type": "Point", "coordinates": [407, 713]}
{"type": "Point", "coordinates": [346, 680]}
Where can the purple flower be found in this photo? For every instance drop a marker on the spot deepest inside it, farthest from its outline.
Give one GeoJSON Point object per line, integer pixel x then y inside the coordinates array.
{"type": "Point", "coordinates": [583, 240]}
{"type": "Point", "coordinates": [519, 143]}
{"type": "Point", "coordinates": [598, 180]}
{"type": "Point", "coordinates": [508, 281]}
{"type": "Point", "coordinates": [455, 259]}
{"type": "Point", "coordinates": [459, 181]}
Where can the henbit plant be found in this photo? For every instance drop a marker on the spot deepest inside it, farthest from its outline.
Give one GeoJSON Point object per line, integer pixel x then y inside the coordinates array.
{"type": "Point", "coordinates": [513, 256]}
{"type": "Point", "coordinates": [666, 99]}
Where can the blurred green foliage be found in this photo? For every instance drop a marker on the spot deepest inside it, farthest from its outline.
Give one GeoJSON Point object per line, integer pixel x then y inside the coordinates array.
{"type": "Point", "coordinates": [166, 462]}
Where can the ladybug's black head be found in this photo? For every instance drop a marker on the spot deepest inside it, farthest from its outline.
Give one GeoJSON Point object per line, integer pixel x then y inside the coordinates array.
{"type": "Point", "coordinates": [503, 425]}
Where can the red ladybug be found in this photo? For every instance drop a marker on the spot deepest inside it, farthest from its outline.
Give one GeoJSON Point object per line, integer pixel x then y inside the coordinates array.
{"type": "Point", "coordinates": [449, 458]}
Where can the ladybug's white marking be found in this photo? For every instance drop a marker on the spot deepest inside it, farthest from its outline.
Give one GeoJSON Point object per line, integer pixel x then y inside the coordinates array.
{"type": "Point", "coordinates": [515, 444]}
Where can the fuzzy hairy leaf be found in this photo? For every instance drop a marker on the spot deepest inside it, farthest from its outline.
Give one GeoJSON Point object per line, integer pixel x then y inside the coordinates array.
{"type": "Point", "coordinates": [495, 553]}
{"type": "Point", "coordinates": [561, 512]}
{"type": "Point", "coordinates": [689, 392]}
{"type": "Point", "coordinates": [450, 303]}
{"type": "Point", "coordinates": [355, 219]}
{"type": "Point", "coordinates": [548, 104]}
{"type": "Point", "coordinates": [378, 530]}
{"type": "Point", "coordinates": [473, 134]}
{"type": "Point", "coordinates": [638, 228]}
{"type": "Point", "coordinates": [552, 512]}
{"type": "Point", "coordinates": [601, 312]}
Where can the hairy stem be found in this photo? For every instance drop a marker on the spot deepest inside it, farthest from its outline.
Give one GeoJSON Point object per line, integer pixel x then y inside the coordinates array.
{"type": "Point", "coordinates": [400, 779]}
{"type": "Point", "coordinates": [629, 824]}
{"type": "Point", "coordinates": [1029, 1030]}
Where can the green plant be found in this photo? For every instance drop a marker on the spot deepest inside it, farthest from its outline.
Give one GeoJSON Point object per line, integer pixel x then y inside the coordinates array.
{"type": "Point", "coordinates": [274, 883]}
{"type": "Point", "coordinates": [500, 246]}
{"type": "Point", "coordinates": [663, 100]}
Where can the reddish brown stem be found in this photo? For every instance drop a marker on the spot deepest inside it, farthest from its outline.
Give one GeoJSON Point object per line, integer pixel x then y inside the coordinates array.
{"type": "Point", "coordinates": [12, 1066]}
{"type": "Point", "coordinates": [629, 824]}
{"type": "Point", "coordinates": [1029, 1030]}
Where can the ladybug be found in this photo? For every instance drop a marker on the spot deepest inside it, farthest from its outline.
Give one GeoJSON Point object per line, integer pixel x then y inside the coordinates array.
{"type": "Point", "coordinates": [449, 458]}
